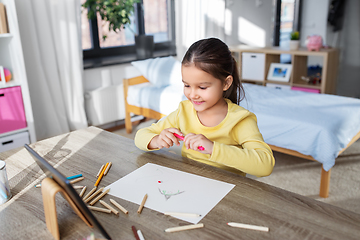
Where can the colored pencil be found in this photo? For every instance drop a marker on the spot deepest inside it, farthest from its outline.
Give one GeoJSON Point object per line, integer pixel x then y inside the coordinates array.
{"type": "Point", "coordinates": [94, 194]}
{"type": "Point", "coordinates": [99, 209]}
{"type": "Point", "coordinates": [108, 168]}
{"type": "Point", "coordinates": [87, 195]}
{"type": "Point", "coordinates": [119, 206]}
{"type": "Point", "coordinates": [109, 207]}
{"type": "Point", "coordinates": [77, 180]}
{"type": "Point", "coordinates": [141, 236]}
{"type": "Point", "coordinates": [82, 191]}
{"type": "Point", "coordinates": [182, 228]}
{"type": "Point", "coordinates": [142, 204]}
{"type": "Point", "coordinates": [102, 167]}
{"type": "Point", "coordinates": [101, 175]}
{"type": "Point", "coordinates": [247, 226]}
{"type": "Point", "coordinates": [100, 196]}
{"type": "Point", "coordinates": [201, 148]}
{"type": "Point", "coordinates": [135, 232]}
{"type": "Point", "coordinates": [73, 177]}
{"type": "Point", "coordinates": [182, 214]}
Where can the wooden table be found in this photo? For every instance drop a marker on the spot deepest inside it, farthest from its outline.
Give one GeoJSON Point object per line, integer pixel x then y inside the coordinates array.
{"type": "Point", "coordinates": [288, 215]}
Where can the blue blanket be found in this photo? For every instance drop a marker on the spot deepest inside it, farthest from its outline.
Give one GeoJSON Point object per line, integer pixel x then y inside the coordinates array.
{"type": "Point", "coordinates": [319, 125]}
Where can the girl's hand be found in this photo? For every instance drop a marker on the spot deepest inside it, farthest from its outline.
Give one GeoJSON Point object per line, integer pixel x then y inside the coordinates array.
{"type": "Point", "coordinates": [165, 139]}
{"type": "Point", "coordinates": [193, 141]}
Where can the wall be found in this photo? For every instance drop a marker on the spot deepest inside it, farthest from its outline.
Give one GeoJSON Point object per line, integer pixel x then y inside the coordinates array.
{"type": "Point", "coordinates": [348, 41]}
{"type": "Point", "coordinates": [249, 22]}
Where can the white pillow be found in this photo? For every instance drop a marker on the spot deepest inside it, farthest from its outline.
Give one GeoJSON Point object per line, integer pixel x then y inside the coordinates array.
{"type": "Point", "coordinates": [161, 71]}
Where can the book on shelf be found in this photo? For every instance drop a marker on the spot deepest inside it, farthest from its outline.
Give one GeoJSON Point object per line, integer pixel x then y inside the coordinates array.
{"type": "Point", "coordinates": [4, 27]}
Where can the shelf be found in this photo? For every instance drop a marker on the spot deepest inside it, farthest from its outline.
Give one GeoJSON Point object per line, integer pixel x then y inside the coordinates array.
{"type": "Point", "coordinates": [14, 132]}
{"type": "Point", "coordinates": [6, 35]}
{"type": "Point", "coordinates": [8, 85]}
{"type": "Point", "coordinates": [299, 61]}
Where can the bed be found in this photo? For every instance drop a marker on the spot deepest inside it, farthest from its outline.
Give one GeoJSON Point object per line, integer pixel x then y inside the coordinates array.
{"type": "Point", "coordinates": [316, 127]}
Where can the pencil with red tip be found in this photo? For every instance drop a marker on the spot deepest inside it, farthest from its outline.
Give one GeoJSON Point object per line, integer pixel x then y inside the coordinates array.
{"type": "Point", "coordinates": [201, 148]}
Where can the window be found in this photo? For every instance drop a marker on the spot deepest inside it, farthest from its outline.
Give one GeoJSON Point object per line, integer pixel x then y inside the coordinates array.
{"type": "Point", "coordinates": [152, 17]}
{"type": "Point", "coordinates": [287, 21]}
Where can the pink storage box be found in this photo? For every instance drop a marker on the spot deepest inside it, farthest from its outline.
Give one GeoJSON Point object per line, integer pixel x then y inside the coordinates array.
{"type": "Point", "coordinates": [312, 90]}
{"type": "Point", "coordinates": [12, 114]}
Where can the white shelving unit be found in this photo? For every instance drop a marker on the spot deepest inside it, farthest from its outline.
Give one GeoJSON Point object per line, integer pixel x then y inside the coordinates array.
{"type": "Point", "coordinates": [11, 57]}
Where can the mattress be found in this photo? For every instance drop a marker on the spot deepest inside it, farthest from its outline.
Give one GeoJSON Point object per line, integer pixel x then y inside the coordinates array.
{"type": "Point", "coordinates": [319, 125]}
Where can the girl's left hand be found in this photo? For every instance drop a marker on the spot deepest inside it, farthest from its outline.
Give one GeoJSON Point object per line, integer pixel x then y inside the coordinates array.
{"type": "Point", "coordinates": [193, 141]}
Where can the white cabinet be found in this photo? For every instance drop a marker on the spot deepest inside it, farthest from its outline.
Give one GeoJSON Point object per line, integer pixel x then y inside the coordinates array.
{"type": "Point", "coordinates": [253, 66]}
{"type": "Point", "coordinates": [11, 57]}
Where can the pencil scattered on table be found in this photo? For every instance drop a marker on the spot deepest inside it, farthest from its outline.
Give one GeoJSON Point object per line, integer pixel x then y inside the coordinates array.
{"type": "Point", "coordinates": [101, 175]}
{"type": "Point", "coordinates": [94, 194]}
{"type": "Point", "coordinates": [82, 191]}
{"type": "Point", "coordinates": [141, 236]}
{"type": "Point", "coordinates": [38, 185]}
{"type": "Point", "coordinates": [77, 180]}
{"type": "Point", "coordinates": [105, 210]}
{"type": "Point", "coordinates": [102, 167]}
{"type": "Point", "coordinates": [182, 214]}
{"type": "Point", "coordinates": [135, 232]}
{"type": "Point", "coordinates": [182, 228]}
{"type": "Point", "coordinates": [78, 187]}
{"type": "Point", "coordinates": [108, 168]}
{"type": "Point", "coordinates": [100, 196]}
{"type": "Point", "coordinates": [119, 206]}
{"type": "Point", "coordinates": [109, 207]}
{"type": "Point", "coordinates": [247, 226]}
{"type": "Point", "coordinates": [91, 192]}
{"type": "Point", "coordinates": [142, 204]}
{"type": "Point", "coordinates": [73, 177]}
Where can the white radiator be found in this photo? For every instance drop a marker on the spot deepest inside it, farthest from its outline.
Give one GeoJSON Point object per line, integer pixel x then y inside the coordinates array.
{"type": "Point", "coordinates": [105, 105]}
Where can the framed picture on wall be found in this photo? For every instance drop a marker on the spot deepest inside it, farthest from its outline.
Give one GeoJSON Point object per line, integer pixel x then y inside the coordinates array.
{"type": "Point", "coordinates": [279, 72]}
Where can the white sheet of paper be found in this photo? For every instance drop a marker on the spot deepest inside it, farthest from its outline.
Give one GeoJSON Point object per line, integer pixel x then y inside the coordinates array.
{"type": "Point", "coordinates": [171, 190]}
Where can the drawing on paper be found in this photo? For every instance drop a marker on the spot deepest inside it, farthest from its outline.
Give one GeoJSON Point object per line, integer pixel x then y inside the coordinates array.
{"type": "Point", "coordinates": [169, 194]}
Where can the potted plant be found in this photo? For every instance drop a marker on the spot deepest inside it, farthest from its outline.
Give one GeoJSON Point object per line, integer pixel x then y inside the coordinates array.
{"type": "Point", "coordinates": [117, 13]}
{"type": "Point", "coordinates": [294, 40]}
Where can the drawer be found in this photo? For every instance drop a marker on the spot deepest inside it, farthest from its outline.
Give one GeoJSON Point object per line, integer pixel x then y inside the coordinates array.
{"type": "Point", "coordinates": [304, 89]}
{"type": "Point", "coordinates": [12, 113]}
{"type": "Point", "coordinates": [278, 86]}
{"type": "Point", "coordinates": [14, 141]}
{"type": "Point", "coordinates": [253, 66]}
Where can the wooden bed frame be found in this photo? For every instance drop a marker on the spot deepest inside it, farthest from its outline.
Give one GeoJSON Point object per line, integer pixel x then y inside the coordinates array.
{"type": "Point", "coordinates": [148, 113]}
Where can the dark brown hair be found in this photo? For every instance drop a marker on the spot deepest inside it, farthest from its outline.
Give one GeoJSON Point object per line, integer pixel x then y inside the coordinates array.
{"type": "Point", "coordinates": [214, 57]}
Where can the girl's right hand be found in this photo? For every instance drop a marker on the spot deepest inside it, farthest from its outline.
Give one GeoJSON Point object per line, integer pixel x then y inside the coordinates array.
{"type": "Point", "coordinates": [165, 139]}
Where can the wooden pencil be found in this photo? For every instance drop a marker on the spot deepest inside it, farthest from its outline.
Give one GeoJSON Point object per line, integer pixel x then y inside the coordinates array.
{"type": "Point", "coordinates": [100, 209]}
{"type": "Point", "coordinates": [109, 207]}
{"type": "Point", "coordinates": [102, 167]}
{"type": "Point", "coordinates": [142, 204]}
{"type": "Point", "coordinates": [100, 196]}
{"type": "Point", "coordinates": [101, 175]}
{"type": "Point", "coordinates": [182, 228]}
{"type": "Point", "coordinates": [82, 191]}
{"type": "Point", "coordinates": [94, 194]}
{"type": "Point", "coordinates": [247, 226]}
{"type": "Point", "coordinates": [119, 206]}
{"type": "Point", "coordinates": [87, 195]}
{"type": "Point", "coordinates": [76, 180]}
{"type": "Point", "coordinates": [108, 168]}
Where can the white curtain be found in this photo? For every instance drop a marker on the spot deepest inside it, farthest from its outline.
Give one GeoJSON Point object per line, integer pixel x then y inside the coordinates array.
{"type": "Point", "coordinates": [51, 40]}
{"type": "Point", "coordinates": [198, 19]}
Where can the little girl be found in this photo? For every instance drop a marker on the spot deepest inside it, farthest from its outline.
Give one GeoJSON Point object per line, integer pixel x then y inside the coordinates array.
{"type": "Point", "coordinates": [215, 129]}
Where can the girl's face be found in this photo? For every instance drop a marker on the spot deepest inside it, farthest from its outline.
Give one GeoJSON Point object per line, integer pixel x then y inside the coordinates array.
{"type": "Point", "coordinates": [201, 88]}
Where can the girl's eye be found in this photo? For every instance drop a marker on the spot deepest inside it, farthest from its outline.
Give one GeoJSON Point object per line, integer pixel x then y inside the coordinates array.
{"type": "Point", "coordinates": [186, 85]}
{"type": "Point", "coordinates": [203, 88]}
